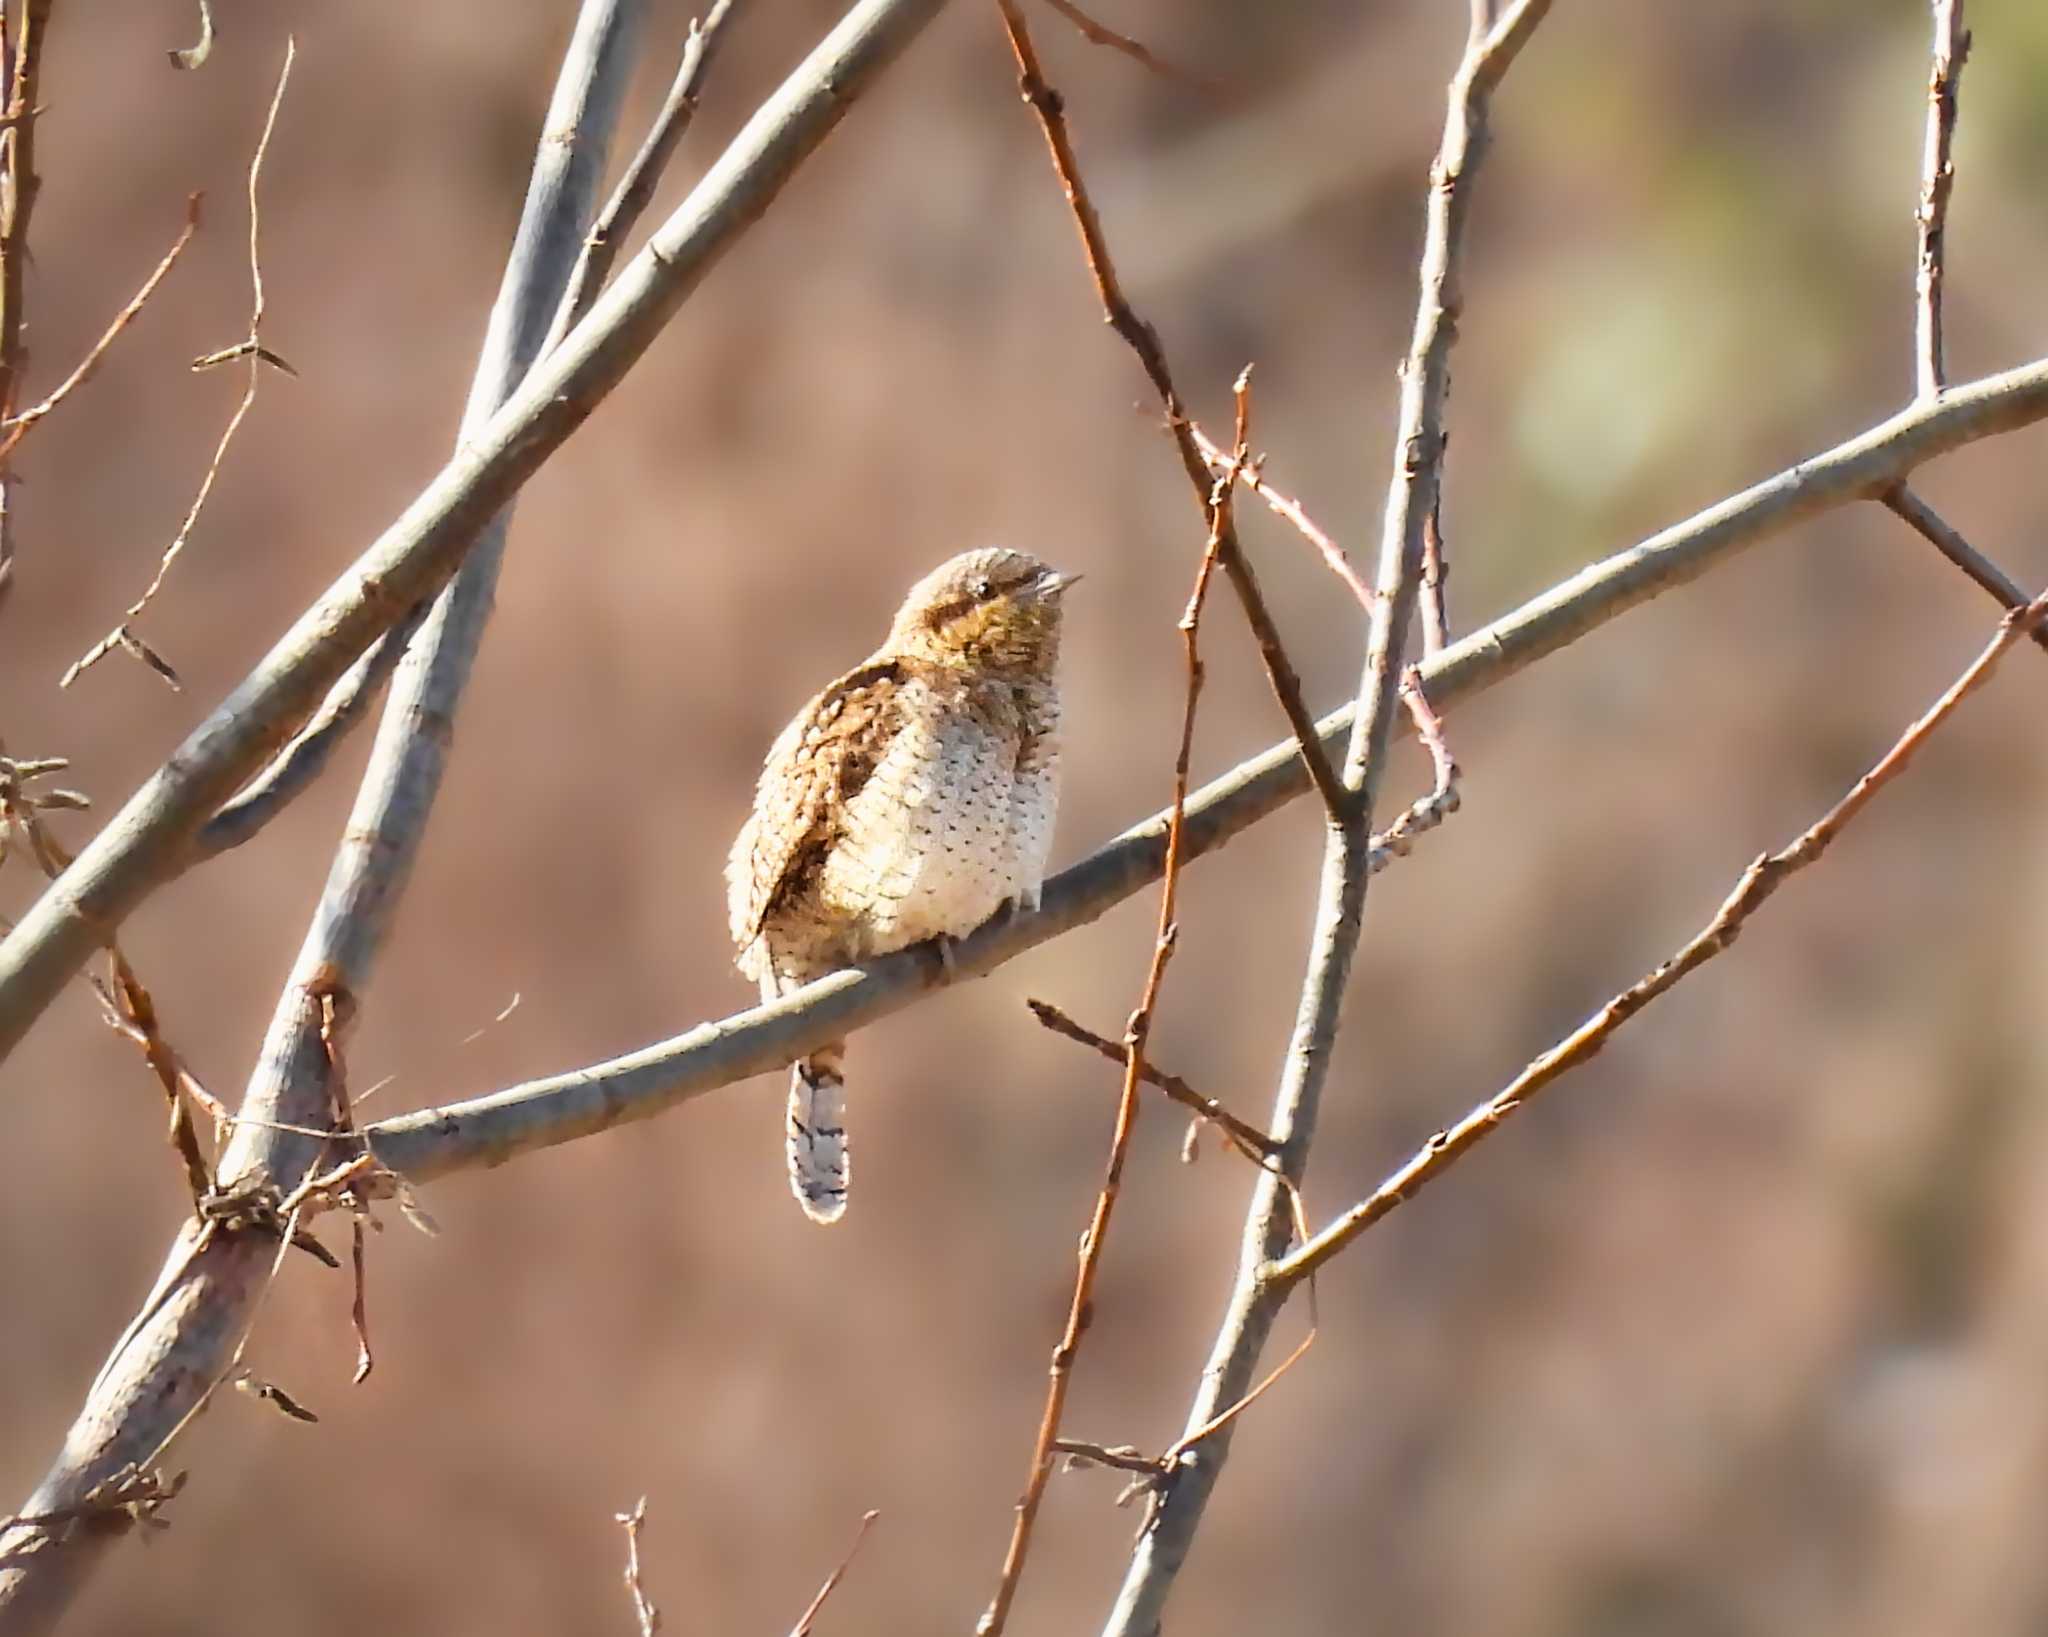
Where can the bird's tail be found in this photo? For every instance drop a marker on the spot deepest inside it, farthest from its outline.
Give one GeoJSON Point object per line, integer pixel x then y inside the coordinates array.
{"type": "Point", "coordinates": [816, 1133]}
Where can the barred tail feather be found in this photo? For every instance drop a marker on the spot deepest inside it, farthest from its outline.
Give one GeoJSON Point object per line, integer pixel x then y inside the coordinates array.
{"type": "Point", "coordinates": [816, 1133]}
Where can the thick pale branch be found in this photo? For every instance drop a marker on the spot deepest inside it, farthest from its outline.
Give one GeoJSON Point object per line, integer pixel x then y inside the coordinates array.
{"type": "Point", "coordinates": [151, 840]}
{"type": "Point", "coordinates": [174, 1357]}
{"type": "Point", "coordinates": [560, 1108]}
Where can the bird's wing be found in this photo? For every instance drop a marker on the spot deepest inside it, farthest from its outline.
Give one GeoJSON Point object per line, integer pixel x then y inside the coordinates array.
{"type": "Point", "coordinates": [815, 768]}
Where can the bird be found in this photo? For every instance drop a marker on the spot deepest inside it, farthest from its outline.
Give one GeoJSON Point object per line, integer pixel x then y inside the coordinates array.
{"type": "Point", "coordinates": [912, 799]}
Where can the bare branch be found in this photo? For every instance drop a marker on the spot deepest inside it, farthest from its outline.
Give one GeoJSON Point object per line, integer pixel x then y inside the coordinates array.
{"type": "Point", "coordinates": [17, 427]}
{"type": "Point", "coordinates": [1143, 340]}
{"type": "Point", "coordinates": [1758, 882]}
{"type": "Point", "coordinates": [1937, 179]}
{"type": "Point", "coordinates": [1248, 1139]}
{"type": "Point", "coordinates": [1436, 575]}
{"type": "Point", "coordinates": [538, 1114]}
{"type": "Point", "coordinates": [1925, 521]}
{"type": "Point", "coordinates": [122, 636]}
{"type": "Point", "coordinates": [167, 1366]}
{"type": "Point", "coordinates": [1254, 478]}
{"type": "Point", "coordinates": [636, 187]}
{"type": "Point", "coordinates": [150, 841]}
{"type": "Point", "coordinates": [1418, 456]}
{"type": "Point", "coordinates": [18, 165]}
{"type": "Point", "coordinates": [1060, 1375]}
{"type": "Point", "coordinates": [1137, 51]}
{"type": "Point", "coordinates": [306, 757]}
{"type": "Point", "coordinates": [809, 1617]}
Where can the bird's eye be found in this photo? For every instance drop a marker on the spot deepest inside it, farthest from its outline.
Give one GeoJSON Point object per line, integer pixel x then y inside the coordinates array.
{"type": "Point", "coordinates": [983, 590]}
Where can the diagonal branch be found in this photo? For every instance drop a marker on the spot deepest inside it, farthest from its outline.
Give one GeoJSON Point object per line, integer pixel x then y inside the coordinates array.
{"type": "Point", "coordinates": [1926, 522]}
{"type": "Point", "coordinates": [169, 1363]}
{"type": "Point", "coordinates": [635, 191]}
{"type": "Point", "coordinates": [349, 700]}
{"type": "Point", "coordinates": [1143, 340]}
{"type": "Point", "coordinates": [150, 841]}
{"type": "Point", "coordinates": [538, 1114]}
{"type": "Point", "coordinates": [17, 427]}
{"type": "Point", "coordinates": [1758, 882]}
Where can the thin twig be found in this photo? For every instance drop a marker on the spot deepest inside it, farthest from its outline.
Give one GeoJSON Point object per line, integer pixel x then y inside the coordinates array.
{"type": "Point", "coordinates": [17, 427]}
{"type": "Point", "coordinates": [131, 1012]}
{"type": "Point", "coordinates": [1427, 812]}
{"type": "Point", "coordinates": [644, 1611]}
{"type": "Point", "coordinates": [1757, 883]}
{"type": "Point", "coordinates": [1925, 521]}
{"type": "Point", "coordinates": [1079, 1312]}
{"type": "Point", "coordinates": [1253, 477]}
{"type": "Point", "coordinates": [810, 1615]}
{"type": "Point", "coordinates": [306, 757]}
{"type": "Point", "coordinates": [1170, 1529]}
{"type": "Point", "coordinates": [1436, 575]}
{"type": "Point", "coordinates": [1937, 179]}
{"type": "Point", "coordinates": [1248, 1139]}
{"type": "Point", "coordinates": [19, 186]}
{"type": "Point", "coordinates": [635, 190]}
{"type": "Point", "coordinates": [122, 636]}
{"type": "Point", "coordinates": [1138, 52]}
{"type": "Point", "coordinates": [1143, 340]}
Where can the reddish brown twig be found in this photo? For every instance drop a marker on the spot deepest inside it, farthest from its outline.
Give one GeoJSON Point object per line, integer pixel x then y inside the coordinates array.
{"type": "Point", "coordinates": [1221, 492]}
{"type": "Point", "coordinates": [1937, 180]}
{"type": "Point", "coordinates": [1253, 477]}
{"type": "Point", "coordinates": [131, 1012]}
{"type": "Point", "coordinates": [1434, 592]}
{"type": "Point", "coordinates": [1143, 340]}
{"type": "Point", "coordinates": [16, 427]}
{"type": "Point", "coordinates": [803, 1626]}
{"type": "Point", "coordinates": [17, 204]}
{"type": "Point", "coordinates": [123, 636]}
{"type": "Point", "coordinates": [1138, 52]}
{"type": "Point", "coordinates": [1758, 882]}
{"type": "Point", "coordinates": [1246, 1138]}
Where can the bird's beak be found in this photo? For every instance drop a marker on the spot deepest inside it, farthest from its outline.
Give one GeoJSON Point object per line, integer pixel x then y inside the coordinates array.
{"type": "Point", "coordinates": [1052, 582]}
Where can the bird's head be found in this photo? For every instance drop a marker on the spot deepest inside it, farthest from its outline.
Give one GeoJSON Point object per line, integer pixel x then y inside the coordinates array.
{"type": "Point", "coordinates": [993, 609]}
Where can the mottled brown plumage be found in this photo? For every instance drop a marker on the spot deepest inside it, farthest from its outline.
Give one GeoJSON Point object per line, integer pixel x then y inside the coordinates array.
{"type": "Point", "coordinates": [911, 799]}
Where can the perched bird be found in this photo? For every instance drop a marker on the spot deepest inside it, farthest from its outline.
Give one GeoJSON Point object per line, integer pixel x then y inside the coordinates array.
{"type": "Point", "coordinates": [912, 799]}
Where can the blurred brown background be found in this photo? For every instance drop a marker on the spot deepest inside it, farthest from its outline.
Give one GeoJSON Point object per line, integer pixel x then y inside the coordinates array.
{"type": "Point", "coordinates": [1742, 1332]}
